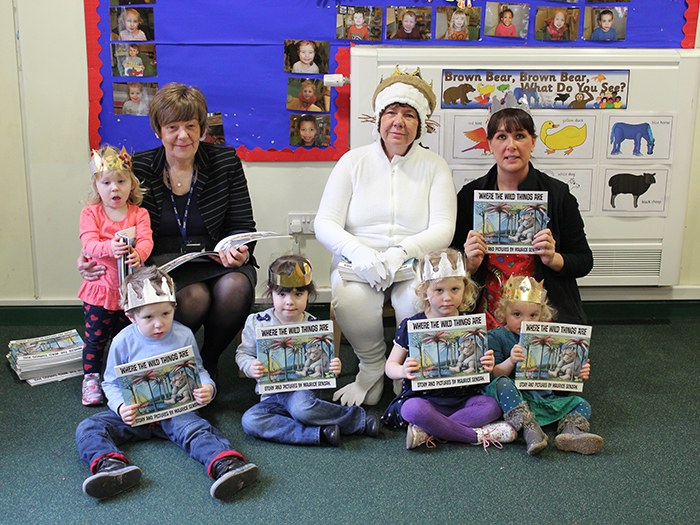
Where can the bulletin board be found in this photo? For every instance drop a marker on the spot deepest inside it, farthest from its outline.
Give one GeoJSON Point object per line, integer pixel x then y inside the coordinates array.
{"type": "Point", "coordinates": [627, 161]}
{"type": "Point", "coordinates": [235, 53]}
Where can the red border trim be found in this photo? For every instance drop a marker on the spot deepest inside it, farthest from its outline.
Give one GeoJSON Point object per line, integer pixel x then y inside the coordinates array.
{"type": "Point", "coordinates": [92, 34]}
{"type": "Point", "coordinates": [691, 25]}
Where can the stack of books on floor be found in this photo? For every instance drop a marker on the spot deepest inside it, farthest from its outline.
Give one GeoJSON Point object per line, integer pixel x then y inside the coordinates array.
{"type": "Point", "coordinates": [48, 358]}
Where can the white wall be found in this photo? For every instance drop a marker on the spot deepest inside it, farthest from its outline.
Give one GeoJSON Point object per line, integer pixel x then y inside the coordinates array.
{"type": "Point", "coordinates": [44, 147]}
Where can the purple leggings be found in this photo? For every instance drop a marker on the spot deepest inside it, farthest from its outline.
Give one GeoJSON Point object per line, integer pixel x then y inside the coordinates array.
{"type": "Point", "coordinates": [451, 423]}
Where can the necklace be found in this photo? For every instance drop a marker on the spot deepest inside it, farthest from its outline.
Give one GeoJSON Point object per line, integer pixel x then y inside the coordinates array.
{"type": "Point", "coordinates": [178, 184]}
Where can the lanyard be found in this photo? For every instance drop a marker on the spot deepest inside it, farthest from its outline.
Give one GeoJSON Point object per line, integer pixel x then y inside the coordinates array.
{"type": "Point", "coordinates": [181, 223]}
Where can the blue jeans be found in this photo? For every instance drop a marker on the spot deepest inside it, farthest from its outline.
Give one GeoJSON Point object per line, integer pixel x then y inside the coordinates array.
{"type": "Point", "coordinates": [296, 418]}
{"type": "Point", "coordinates": [101, 434]}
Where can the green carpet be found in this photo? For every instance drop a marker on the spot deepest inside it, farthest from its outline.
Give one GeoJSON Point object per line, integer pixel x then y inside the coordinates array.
{"type": "Point", "coordinates": [643, 392]}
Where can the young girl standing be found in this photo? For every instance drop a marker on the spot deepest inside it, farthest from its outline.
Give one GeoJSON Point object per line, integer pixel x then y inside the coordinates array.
{"type": "Point", "coordinates": [297, 417]}
{"type": "Point", "coordinates": [524, 299]}
{"type": "Point", "coordinates": [113, 205]}
{"type": "Point", "coordinates": [453, 414]}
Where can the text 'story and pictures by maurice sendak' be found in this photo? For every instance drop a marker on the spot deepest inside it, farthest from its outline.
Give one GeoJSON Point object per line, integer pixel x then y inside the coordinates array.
{"type": "Point", "coordinates": [509, 220]}
{"type": "Point", "coordinates": [448, 351]}
{"type": "Point", "coordinates": [225, 244]}
{"type": "Point", "coordinates": [554, 356]}
{"type": "Point", "coordinates": [295, 356]}
{"type": "Point", "coordinates": [162, 386]}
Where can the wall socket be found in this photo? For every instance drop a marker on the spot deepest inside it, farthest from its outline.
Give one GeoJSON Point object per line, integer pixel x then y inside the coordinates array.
{"type": "Point", "coordinates": [301, 223]}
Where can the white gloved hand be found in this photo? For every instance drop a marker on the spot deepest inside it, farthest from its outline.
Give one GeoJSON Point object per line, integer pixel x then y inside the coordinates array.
{"type": "Point", "coordinates": [366, 264]}
{"type": "Point", "coordinates": [393, 258]}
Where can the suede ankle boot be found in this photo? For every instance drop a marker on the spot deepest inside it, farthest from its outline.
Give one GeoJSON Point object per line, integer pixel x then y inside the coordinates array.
{"type": "Point", "coordinates": [573, 436]}
{"type": "Point", "coordinates": [521, 417]}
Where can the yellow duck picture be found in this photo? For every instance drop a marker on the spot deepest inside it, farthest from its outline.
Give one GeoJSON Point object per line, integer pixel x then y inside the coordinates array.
{"type": "Point", "coordinates": [567, 138]}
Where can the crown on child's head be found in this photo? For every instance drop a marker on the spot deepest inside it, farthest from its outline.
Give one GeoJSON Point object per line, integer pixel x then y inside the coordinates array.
{"type": "Point", "coordinates": [443, 269]}
{"type": "Point", "coordinates": [507, 100]}
{"type": "Point", "coordinates": [148, 295]}
{"type": "Point", "coordinates": [525, 289]}
{"type": "Point", "coordinates": [298, 277]}
{"type": "Point", "coordinates": [110, 159]}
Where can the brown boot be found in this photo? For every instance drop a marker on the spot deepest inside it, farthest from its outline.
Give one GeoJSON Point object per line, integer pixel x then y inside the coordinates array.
{"type": "Point", "coordinates": [521, 417]}
{"type": "Point", "coordinates": [573, 436]}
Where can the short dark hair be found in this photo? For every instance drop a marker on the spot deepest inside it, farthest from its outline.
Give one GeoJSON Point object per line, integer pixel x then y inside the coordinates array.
{"type": "Point", "coordinates": [176, 102]}
{"type": "Point", "coordinates": [513, 119]}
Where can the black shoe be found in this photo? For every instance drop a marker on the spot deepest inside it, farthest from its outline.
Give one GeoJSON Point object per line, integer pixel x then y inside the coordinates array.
{"type": "Point", "coordinates": [331, 434]}
{"type": "Point", "coordinates": [372, 425]}
{"type": "Point", "coordinates": [111, 477]}
{"type": "Point", "coordinates": [231, 475]}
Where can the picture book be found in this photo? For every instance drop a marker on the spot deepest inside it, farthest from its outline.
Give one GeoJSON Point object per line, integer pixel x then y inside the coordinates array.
{"type": "Point", "coordinates": [295, 356]}
{"type": "Point", "coordinates": [554, 355]}
{"type": "Point", "coordinates": [50, 357]}
{"type": "Point", "coordinates": [509, 220]}
{"type": "Point", "coordinates": [232, 241]}
{"type": "Point", "coordinates": [128, 236]}
{"type": "Point", "coordinates": [448, 351]}
{"type": "Point", "coordinates": [162, 386]}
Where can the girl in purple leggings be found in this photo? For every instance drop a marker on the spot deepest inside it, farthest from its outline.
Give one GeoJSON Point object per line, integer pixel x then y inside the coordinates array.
{"type": "Point", "coordinates": [461, 413]}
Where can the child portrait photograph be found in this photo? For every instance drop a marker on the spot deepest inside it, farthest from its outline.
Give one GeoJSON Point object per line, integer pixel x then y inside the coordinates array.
{"type": "Point", "coordinates": [310, 131]}
{"type": "Point", "coordinates": [606, 24]}
{"type": "Point", "coordinates": [307, 94]}
{"type": "Point", "coordinates": [556, 24]}
{"type": "Point", "coordinates": [309, 57]}
{"type": "Point", "coordinates": [131, 23]}
{"type": "Point", "coordinates": [134, 60]}
{"type": "Point", "coordinates": [408, 23]}
{"type": "Point", "coordinates": [503, 19]}
{"type": "Point", "coordinates": [453, 23]}
{"type": "Point", "coordinates": [358, 23]}
{"type": "Point", "coordinates": [132, 98]}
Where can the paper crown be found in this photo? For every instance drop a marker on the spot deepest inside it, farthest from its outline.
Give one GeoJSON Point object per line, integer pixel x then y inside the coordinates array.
{"type": "Point", "coordinates": [443, 269]}
{"type": "Point", "coordinates": [525, 289]}
{"type": "Point", "coordinates": [109, 159]}
{"type": "Point", "coordinates": [298, 277]}
{"type": "Point", "coordinates": [148, 295]}
{"type": "Point", "coordinates": [405, 88]}
{"type": "Point", "coordinates": [508, 101]}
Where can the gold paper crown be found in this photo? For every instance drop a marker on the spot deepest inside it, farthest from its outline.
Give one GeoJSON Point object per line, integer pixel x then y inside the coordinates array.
{"type": "Point", "coordinates": [298, 277]}
{"type": "Point", "coordinates": [508, 101]}
{"type": "Point", "coordinates": [148, 295]}
{"type": "Point", "coordinates": [110, 159]}
{"type": "Point", "coordinates": [525, 289]}
{"type": "Point", "coordinates": [443, 269]}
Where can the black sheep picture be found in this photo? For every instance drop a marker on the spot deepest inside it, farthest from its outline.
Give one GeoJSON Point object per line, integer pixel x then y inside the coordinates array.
{"type": "Point", "coordinates": [636, 185]}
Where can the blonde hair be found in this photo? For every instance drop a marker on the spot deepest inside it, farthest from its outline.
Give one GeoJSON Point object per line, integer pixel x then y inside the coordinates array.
{"type": "Point", "coordinates": [470, 287]}
{"type": "Point", "coordinates": [129, 11]}
{"type": "Point", "coordinates": [547, 312]}
{"type": "Point", "coordinates": [459, 12]}
{"type": "Point", "coordinates": [136, 193]}
{"type": "Point", "coordinates": [176, 102]}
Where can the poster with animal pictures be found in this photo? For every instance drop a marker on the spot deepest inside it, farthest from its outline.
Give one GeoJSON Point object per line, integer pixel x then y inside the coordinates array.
{"type": "Point", "coordinates": [509, 220]}
{"type": "Point", "coordinates": [543, 89]}
{"type": "Point", "coordinates": [635, 192]}
{"type": "Point", "coordinates": [161, 386]}
{"type": "Point", "coordinates": [295, 356]}
{"type": "Point", "coordinates": [448, 351]}
{"type": "Point", "coordinates": [469, 138]}
{"type": "Point", "coordinates": [640, 137]}
{"type": "Point", "coordinates": [580, 183]}
{"type": "Point", "coordinates": [554, 355]}
{"type": "Point", "coordinates": [563, 135]}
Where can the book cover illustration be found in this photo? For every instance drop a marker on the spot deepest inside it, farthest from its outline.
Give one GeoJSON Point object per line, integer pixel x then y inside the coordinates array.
{"type": "Point", "coordinates": [448, 351]}
{"type": "Point", "coordinates": [51, 357]}
{"type": "Point", "coordinates": [554, 355]}
{"type": "Point", "coordinates": [295, 356]}
{"type": "Point", "coordinates": [232, 241]}
{"type": "Point", "coordinates": [128, 236]}
{"type": "Point", "coordinates": [509, 220]}
{"type": "Point", "coordinates": [162, 386]}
